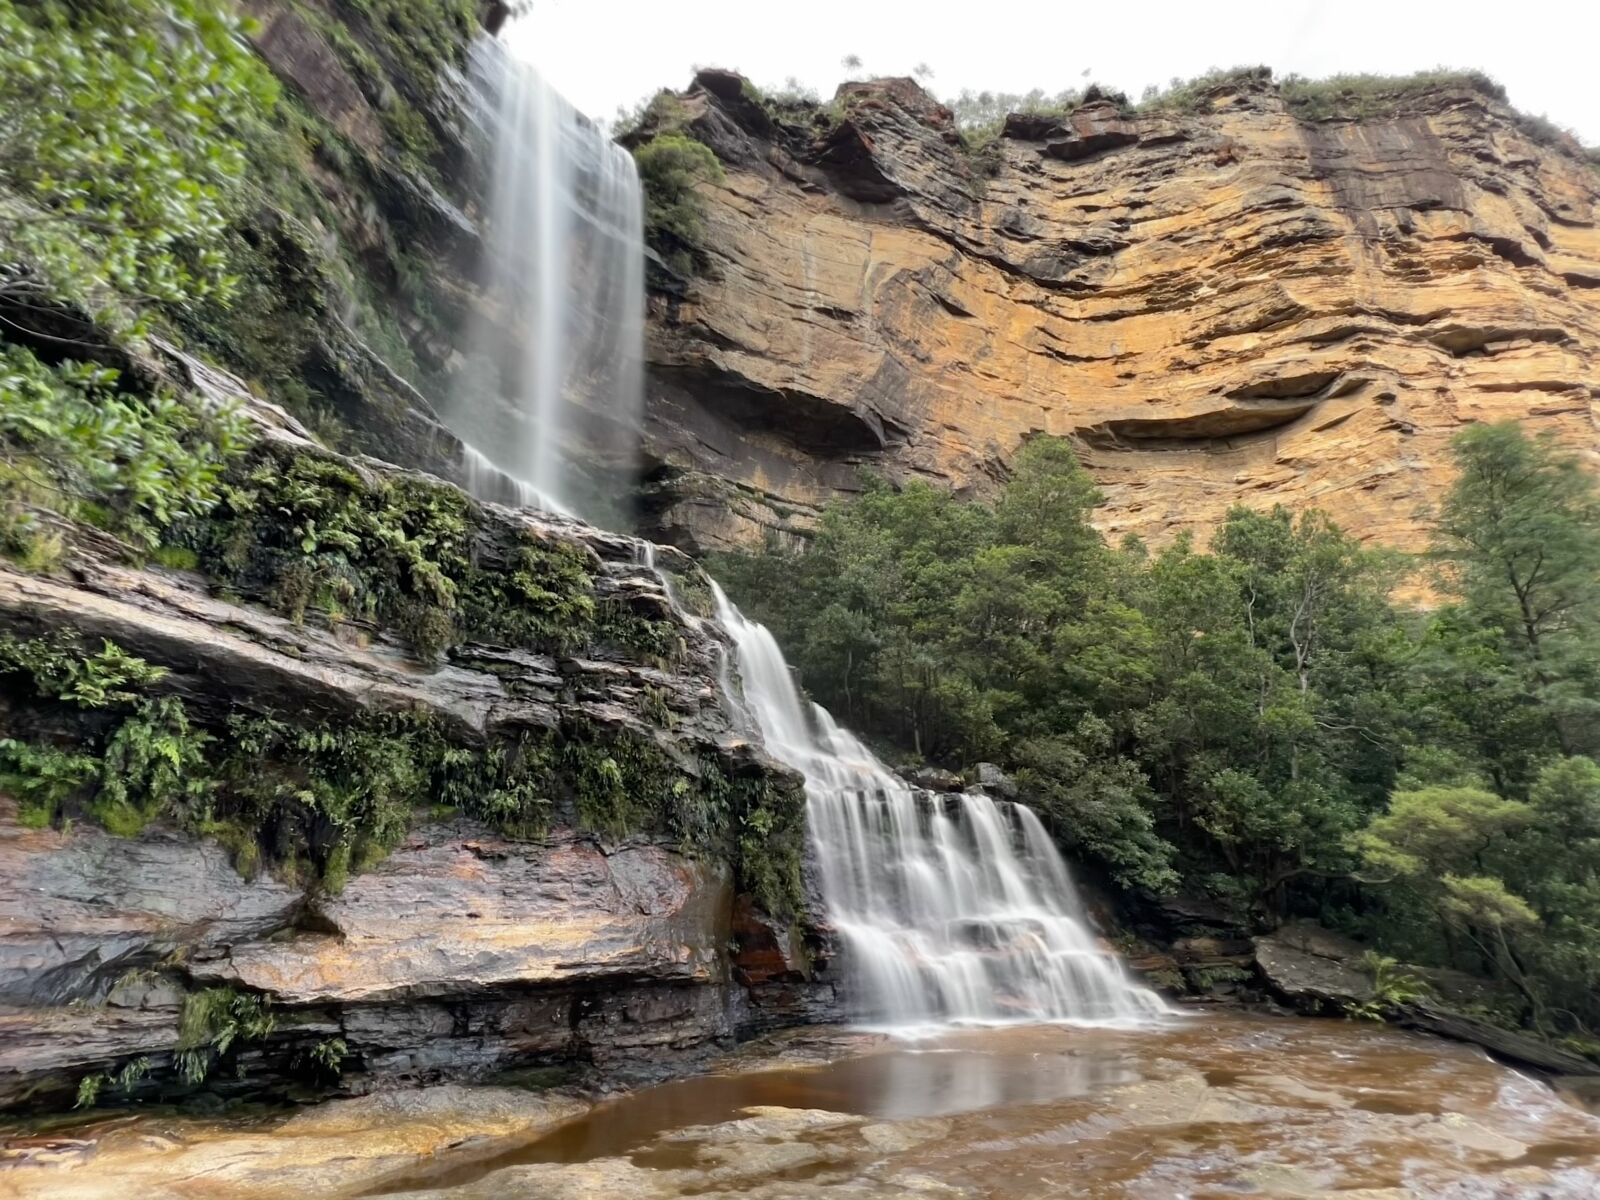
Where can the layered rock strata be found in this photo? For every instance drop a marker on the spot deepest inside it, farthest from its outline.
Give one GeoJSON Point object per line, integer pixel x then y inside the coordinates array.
{"type": "Point", "coordinates": [462, 953]}
{"type": "Point", "coordinates": [1219, 306]}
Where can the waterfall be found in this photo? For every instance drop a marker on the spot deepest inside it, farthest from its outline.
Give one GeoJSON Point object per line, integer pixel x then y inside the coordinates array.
{"type": "Point", "coordinates": [952, 908]}
{"type": "Point", "coordinates": [949, 908]}
{"type": "Point", "coordinates": [555, 377]}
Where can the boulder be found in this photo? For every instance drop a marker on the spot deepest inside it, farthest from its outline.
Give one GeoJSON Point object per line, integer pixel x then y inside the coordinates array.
{"type": "Point", "coordinates": [933, 779]}
{"type": "Point", "coordinates": [995, 781]}
{"type": "Point", "coordinates": [1313, 969]}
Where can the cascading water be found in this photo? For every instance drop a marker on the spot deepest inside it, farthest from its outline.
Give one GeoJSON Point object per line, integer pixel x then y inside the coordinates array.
{"type": "Point", "coordinates": [951, 908]}
{"type": "Point", "coordinates": [954, 908]}
{"type": "Point", "coordinates": [556, 377]}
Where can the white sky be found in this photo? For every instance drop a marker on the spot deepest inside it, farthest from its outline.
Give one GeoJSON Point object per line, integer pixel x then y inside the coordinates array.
{"type": "Point", "coordinates": [602, 55]}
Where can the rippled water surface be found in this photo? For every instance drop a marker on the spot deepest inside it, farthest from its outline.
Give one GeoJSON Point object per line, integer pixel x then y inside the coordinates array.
{"type": "Point", "coordinates": [1213, 1105]}
{"type": "Point", "coordinates": [1210, 1107]}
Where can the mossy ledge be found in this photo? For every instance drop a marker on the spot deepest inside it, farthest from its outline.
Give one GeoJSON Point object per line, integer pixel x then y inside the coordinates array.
{"type": "Point", "coordinates": [325, 682]}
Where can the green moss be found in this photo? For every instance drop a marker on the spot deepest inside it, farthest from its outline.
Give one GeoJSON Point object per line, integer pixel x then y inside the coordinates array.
{"type": "Point", "coordinates": [756, 821]}
{"type": "Point", "coordinates": [544, 597]}
{"type": "Point", "coordinates": [314, 538]}
{"type": "Point", "coordinates": [771, 841]}
{"type": "Point", "coordinates": [42, 777]}
{"type": "Point", "coordinates": [175, 558]}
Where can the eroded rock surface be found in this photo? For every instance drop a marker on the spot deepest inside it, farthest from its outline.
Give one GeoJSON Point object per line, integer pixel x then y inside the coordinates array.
{"type": "Point", "coordinates": [1270, 1107]}
{"type": "Point", "coordinates": [1230, 306]}
{"type": "Point", "coordinates": [463, 952]}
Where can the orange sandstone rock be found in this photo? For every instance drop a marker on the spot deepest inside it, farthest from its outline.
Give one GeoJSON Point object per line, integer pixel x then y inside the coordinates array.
{"type": "Point", "coordinates": [1228, 307]}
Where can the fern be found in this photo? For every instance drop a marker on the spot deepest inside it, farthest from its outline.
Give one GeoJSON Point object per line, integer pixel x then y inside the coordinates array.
{"type": "Point", "coordinates": [212, 1022]}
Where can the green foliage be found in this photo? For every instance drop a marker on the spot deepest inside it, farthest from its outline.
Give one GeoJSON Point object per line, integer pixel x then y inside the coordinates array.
{"type": "Point", "coordinates": [153, 766]}
{"type": "Point", "coordinates": [1204, 718]}
{"type": "Point", "coordinates": [70, 440]}
{"type": "Point", "coordinates": [214, 1021]}
{"type": "Point", "coordinates": [424, 38]}
{"type": "Point", "coordinates": [89, 1090]}
{"type": "Point", "coordinates": [671, 167]}
{"type": "Point", "coordinates": [1393, 988]}
{"type": "Point", "coordinates": [329, 792]}
{"type": "Point", "coordinates": [1193, 95]}
{"type": "Point", "coordinates": [1519, 542]}
{"type": "Point", "coordinates": [328, 1056]}
{"type": "Point", "coordinates": [980, 115]}
{"type": "Point", "coordinates": [1261, 722]}
{"type": "Point", "coordinates": [1362, 97]}
{"type": "Point", "coordinates": [338, 796]}
{"type": "Point", "coordinates": [41, 777]}
{"type": "Point", "coordinates": [623, 784]}
{"type": "Point", "coordinates": [311, 535]}
{"type": "Point", "coordinates": [543, 597]}
{"type": "Point", "coordinates": [56, 667]}
{"type": "Point", "coordinates": [121, 153]}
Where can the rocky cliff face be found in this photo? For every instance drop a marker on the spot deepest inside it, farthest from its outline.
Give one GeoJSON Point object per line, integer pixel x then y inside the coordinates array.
{"type": "Point", "coordinates": [1224, 305]}
{"type": "Point", "coordinates": [611, 941]}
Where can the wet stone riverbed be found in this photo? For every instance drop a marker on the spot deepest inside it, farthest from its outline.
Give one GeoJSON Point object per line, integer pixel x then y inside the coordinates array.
{"type": "Point", "coordinates": [1208, 1106]}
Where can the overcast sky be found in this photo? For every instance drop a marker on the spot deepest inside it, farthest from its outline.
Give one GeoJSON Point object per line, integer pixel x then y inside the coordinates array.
{"type": "Point", "coordinates": [602, 55]}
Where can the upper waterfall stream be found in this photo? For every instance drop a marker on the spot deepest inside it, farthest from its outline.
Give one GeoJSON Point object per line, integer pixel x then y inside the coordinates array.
{"type": "Point", "coordinates": [950, 908]}
{"type": "Point", "coordinates": [553, 392]}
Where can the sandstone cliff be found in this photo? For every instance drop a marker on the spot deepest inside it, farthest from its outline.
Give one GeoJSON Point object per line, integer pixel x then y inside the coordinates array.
{"type": "Point", "coordinates": [1227, 304]}
{"type": "Point", "coordinates": [620, 943]}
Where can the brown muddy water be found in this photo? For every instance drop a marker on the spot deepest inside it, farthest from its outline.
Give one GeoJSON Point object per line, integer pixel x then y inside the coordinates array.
{"type": "Point", "coordinates": [1212, 1106]}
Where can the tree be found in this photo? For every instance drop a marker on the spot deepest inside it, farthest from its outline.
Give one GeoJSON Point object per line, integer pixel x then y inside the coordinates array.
{"type": "Point", "coordinates": [122, 132]}
{"type": "Point", "coordinates": [1519, 540]}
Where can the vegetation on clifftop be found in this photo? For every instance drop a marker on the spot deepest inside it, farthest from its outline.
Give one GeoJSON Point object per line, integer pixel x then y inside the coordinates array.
{"type": "Point", "coordinates": [1260, 723]}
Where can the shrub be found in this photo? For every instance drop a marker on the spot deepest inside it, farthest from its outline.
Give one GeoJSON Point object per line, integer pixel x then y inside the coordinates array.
{"type": "Point", "coordinates": [1392, 988]}
{"type": "Point", "coordinates": [122, 149]}
{"type": "Point", "coordinates": [1361, 97]}
{"type": "Point", "coordinates": [212, 1023]}
{"type": "Point", "coordinates": [1191, 95]}
{"type": "Point", "coordinates": [72, 441]}
{"type": "Point", "coordinates": [671, 166]}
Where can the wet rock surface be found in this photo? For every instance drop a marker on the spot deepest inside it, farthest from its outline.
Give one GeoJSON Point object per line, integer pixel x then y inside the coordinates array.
{"type": "Point", "coordinates": [463, 952]}
{"type": "Point", "coordinates": [1229, 1105]}
{"type": "Point", "coordinates": [1320, 972]}
{"type": "Point", "coordinates": [460, 955]}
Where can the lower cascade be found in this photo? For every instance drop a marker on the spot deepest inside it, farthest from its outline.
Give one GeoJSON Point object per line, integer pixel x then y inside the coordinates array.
{"type": "Point", "coordinates": [951, 909]}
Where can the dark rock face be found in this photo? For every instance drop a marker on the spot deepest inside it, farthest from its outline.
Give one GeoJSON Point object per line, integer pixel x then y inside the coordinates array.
{"type": "Point", "coordinates": [78, 910]}
{"type": "Point", "coordinates": [1318, 972]}
{"type": "Point", "coordinates": [462, 911]}
{"type": "Point", "coordinates": [1314, 969]}
{"type": "Point", "coordinates": [460, 954]}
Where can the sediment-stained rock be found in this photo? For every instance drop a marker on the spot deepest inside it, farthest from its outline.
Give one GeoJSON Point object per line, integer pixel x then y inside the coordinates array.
{"type": "Point", "coordinates": [1227, 306]}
